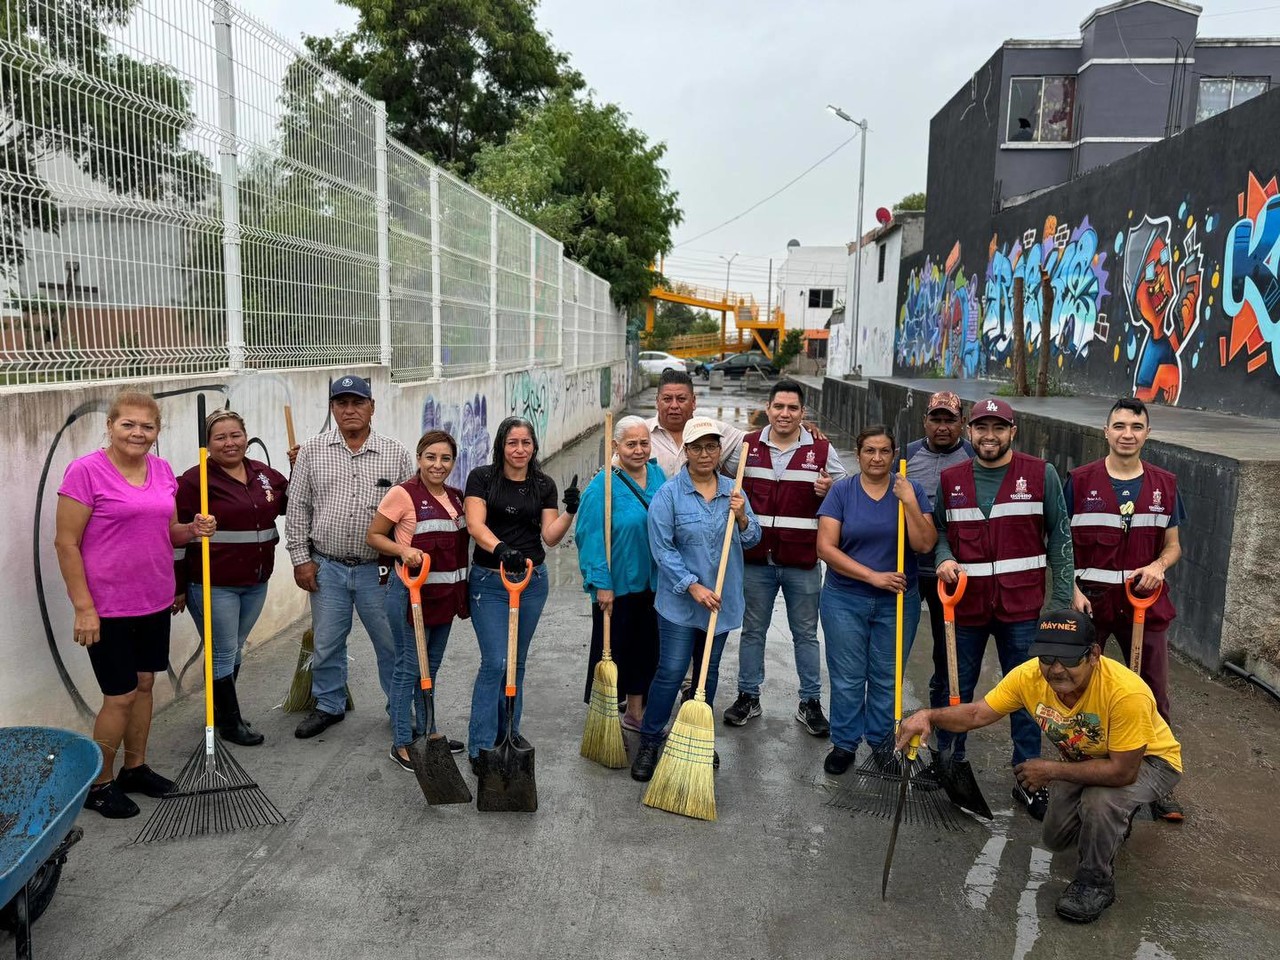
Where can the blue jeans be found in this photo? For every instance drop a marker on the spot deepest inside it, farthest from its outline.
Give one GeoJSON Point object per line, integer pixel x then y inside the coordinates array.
{"type": "Point", "coordinates": [1012, 642]}
{"type": "Point", "coordinates": [800, 591]}
{"type": "Point", "coordinates": [489, 607]}
{"type": "Point", "coordinates": [339, 589]}
{"type": "Point", "coordinates": [235, 611]}
{"type": "Point", "coordinates": [860, 636]}
{"type": "Point", "coordinates": [405, 682]}
{"type": "Point", "coordinates": [676, 644]}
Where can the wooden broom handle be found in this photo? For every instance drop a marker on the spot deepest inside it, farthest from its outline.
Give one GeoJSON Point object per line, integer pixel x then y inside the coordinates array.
{"type": "Point", "coordinates": [724, 561]}
{"type": "Point", "coordinates": [288, 426]}
{"type": "Point", "coordinates": [607, 652]}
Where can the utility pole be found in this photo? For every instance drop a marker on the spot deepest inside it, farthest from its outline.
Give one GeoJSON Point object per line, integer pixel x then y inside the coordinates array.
{"type": "Point", "coordinates": [855, 371]}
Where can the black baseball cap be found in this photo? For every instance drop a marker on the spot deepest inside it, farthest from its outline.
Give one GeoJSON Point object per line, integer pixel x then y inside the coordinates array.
{"type": "Point", "coordinates": [351, 383]}
{"type": "Point", "coordinates": [1063, 633]}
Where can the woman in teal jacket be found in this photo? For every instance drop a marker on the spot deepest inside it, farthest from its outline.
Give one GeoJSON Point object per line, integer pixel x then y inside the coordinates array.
{"type": "Point", "coordinates": [626, 586]}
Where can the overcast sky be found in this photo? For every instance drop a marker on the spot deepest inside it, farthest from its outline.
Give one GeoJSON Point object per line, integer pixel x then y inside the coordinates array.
{"type": "Point", "coordinates": [737, 90]}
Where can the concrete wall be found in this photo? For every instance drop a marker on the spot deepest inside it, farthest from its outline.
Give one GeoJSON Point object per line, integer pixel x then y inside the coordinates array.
{"type": "Point", "coordinates": [1200, 210]}
{"type": "Point", "coordinates": [1225, 588]}
{"type": "Point", "coordinates": [49, 680]}
{"type": "Point", "coordinates": [809, 268]}
{"type": "Point", "coordinates": [879, 301]}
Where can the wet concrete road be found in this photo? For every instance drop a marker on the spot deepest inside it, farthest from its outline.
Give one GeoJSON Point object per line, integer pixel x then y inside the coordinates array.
{"type": "Point", "coordinates": [364, 868]}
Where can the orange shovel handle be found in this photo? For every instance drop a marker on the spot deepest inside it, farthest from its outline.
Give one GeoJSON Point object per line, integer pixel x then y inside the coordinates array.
{"type": "Point", "coordinates": [952, 599]}
{"type": "Point", "coordinates": [414, 581]}
{"type": "Point", "coordinates": [516, 587]}
{"type": "Point", "coordinates": [1141, 604]}
{"type": "Point", "coordinates": [949, 602]}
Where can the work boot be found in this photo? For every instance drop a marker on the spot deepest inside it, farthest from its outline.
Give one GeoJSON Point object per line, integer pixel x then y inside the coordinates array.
{"type": "Point", "coordinates": [646, 760]}
{"type": "Point", "coordinates": [316, 722]}
{"type": "Point", "coordinates": [142, 779]}
{"type": "Point", "coordinates": [839, 760]}
{"type": "Point", "coordinates": [743, 709]}
{"type": "Point", "coordinates": [226, 715]}
{"type": "Point", "coordinates": [110, 801]}
{"type": "Point", "coordinates": [1167, 808]}
{"type": "Point", "coordinates": [1086, 897]}
{"type": "Point", "coordinates": [809, 713]}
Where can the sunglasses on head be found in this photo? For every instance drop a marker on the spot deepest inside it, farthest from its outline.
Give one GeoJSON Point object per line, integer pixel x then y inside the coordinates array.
{"type": "Point", "coordinates": [1068, 662]}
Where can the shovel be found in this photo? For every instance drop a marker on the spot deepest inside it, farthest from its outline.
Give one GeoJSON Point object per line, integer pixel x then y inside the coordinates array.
{"type": "Point", "coordinates": [957, 776]}
{"type": "Point", "coordinates": [1140, 606]}
{"type": "Point", "coordinates": [429, 754]}
{"type": "Point", "coordinates": [506, 783]}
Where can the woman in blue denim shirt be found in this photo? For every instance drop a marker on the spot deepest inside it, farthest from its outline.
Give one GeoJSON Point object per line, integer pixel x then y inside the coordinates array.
{"type": "Point", "coordinates": [858, 540]}
{"type": "Point", "coordinates": [686, 533]}
{"type": "Point", "coordinates": [512, 516]}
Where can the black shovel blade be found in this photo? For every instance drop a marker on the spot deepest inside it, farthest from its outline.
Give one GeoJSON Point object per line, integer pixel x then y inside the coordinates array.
{"type": "Point", "coordinates": [962, 787]}
{"type": "Point", "coordinates": [506, 782]}
{"type": "Point", "coordinates": [437, 772]}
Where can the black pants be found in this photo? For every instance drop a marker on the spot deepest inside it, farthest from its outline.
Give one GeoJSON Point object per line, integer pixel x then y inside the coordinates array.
{"type": "Point", "coordinates": [633, 642]}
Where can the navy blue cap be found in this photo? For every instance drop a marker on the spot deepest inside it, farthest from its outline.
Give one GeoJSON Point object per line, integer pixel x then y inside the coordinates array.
{"type": "Point", "coordinates": [351, 383]}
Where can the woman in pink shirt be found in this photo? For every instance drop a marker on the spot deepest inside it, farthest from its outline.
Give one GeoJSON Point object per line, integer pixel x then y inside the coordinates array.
{"type": "Point", "coordinates": [426, 518]}
{"type": "Point", "coordinates": [116, 529]}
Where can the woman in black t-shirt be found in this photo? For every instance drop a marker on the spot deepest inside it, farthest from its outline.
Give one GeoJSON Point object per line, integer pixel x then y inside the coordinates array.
{"type": "Point", "coordinates": [511, 514]}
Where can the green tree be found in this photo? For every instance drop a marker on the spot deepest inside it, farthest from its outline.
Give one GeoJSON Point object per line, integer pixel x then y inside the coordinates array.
{"type": "Point", "coordinates": [911, 202]}
{"type": "Point", "coordinates": [455, 74]}
{"type": "Point", "coordinates": [792, 344]}
{"type": "Point", "coordinates": [578, 170]}
{"type": "Point", "coordinates": [65, 92]}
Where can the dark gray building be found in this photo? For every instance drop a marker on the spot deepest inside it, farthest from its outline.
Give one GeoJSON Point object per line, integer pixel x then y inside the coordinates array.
{"type": "Point", "coordinates": [1042, 112]}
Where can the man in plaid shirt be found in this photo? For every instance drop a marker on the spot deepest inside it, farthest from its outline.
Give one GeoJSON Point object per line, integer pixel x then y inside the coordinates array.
{"type": "Point", "coordinates": [338, 480]}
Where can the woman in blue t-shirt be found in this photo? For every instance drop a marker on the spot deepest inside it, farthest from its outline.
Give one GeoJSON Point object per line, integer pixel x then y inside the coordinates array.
{"type": "Point", "coordinates": [858, 540]}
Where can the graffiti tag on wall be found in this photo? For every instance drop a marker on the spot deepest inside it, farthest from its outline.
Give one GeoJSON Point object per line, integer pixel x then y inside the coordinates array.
{"type": "Point", "coordinates": [1251, 274]}
{"type": "Point", "coordinates": [468, 424]}
{"type": "Point", "coordinates": [529, 396]}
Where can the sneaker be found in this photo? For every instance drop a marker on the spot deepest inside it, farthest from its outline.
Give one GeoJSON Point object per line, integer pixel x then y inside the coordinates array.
{"type": "Point", "coordinates": [645, 762]}
{"type": "Point", "coordinates": [715, 759]}
{"type": "Point", "coordinates": [809, 713]}
{"type": "Point", "coordinates": [456, 746]}
{"type": "Point", "coordinates": [401, 762]}
{"type": "Point", "coordinates": [317, 722]}
{"type": "Point", "coordinates": [110, 801]}
{"type": "Point", "coordinates": [1085, 898]}
{"type": "Point", "coordinates": [1036, 802]}
{"type": "Point", "coordinates": [743, 709]}
{"type": "Point", "coordinates": [839, 760]}
{"type": "Point", "coordinates": [142, 779]}
{"type": "Point", "coordinates": [1167, 809]}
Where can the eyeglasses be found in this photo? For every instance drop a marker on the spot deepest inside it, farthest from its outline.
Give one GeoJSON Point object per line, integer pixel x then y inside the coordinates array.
{"type": "Point", "coordinates": [1067, 662]}
{"type": "Point", "coordinates": [1149, 272]}
{"type": "Point", "coordinates": [702, 449]}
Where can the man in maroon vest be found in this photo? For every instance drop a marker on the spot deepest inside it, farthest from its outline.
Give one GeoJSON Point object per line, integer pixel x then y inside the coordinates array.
{"type": "Point", "coordinates": [788, 473]}
{"type": "Point", "coordinates": [1124, 526]}
{"type": "Point", "coordinates": [1002, 519]}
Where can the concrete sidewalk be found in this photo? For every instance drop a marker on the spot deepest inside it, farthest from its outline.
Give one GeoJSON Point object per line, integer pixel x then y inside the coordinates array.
{"type": "Point", "coordinates": [364, 868]}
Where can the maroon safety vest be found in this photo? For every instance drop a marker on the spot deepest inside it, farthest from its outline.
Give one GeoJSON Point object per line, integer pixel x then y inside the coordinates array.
{"type": "Point", "coordinates": [1003, 554]}
{"type": "Point", "coordinates": [1106, 554]}
{"type": "Point", "coordinates": [445, 540]}
{"type": "Point", "coordinates": [788, 508]}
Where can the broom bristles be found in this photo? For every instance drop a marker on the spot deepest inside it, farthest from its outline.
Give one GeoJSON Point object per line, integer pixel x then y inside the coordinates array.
{"type": "Point", "coordinates": [602, 736]}
{"type": "Point", "coordinates": [299, 698]}
{"type": "Point", "coordinates": [684, 780]}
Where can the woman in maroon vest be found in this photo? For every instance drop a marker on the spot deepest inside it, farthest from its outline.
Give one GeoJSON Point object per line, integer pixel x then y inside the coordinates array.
{"type": "Point", "coordinates": [428, 521]}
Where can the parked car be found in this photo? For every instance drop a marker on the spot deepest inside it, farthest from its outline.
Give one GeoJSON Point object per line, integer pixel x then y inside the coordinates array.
{"type": "Point", "coordinates": [738, 364]}
{"type": "Point", "coordinates": [655, 361]}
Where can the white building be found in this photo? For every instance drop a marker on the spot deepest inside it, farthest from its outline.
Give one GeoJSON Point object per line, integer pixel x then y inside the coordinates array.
{"type": "Point", "coordinates": [811, 282]}
{"type": "Point", "coordinates": [882, 251]}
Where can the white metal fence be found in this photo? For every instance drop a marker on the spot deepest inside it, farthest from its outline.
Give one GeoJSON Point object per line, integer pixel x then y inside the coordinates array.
{"type": "Point", "coordinates": [181, 191]}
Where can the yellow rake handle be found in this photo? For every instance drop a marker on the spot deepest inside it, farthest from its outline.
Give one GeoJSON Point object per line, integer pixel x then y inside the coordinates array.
{"type": "Point", "coordinates": [902, 568]}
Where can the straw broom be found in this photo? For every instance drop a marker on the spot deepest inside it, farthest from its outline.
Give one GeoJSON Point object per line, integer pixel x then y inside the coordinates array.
{"type": "Point", "coordinates": [602, 736]}
{"type": "Point", "coordinates": [684, 780]}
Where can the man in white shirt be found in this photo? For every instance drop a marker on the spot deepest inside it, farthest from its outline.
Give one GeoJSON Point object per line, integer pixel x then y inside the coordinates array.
{"type": "Point", "coordinates": [676, 403]}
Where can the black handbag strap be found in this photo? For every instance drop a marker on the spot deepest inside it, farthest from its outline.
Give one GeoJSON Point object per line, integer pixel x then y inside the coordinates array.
{"type": "Point", "coordinates": [631, 485]}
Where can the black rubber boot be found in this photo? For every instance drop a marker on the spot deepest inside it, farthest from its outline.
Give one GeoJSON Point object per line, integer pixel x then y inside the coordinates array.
{"type": "Point", "coordinates": [226, 715]}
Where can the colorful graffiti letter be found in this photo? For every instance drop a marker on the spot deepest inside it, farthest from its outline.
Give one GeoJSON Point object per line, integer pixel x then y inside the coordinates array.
{"type": "Point", "coordinates": [1162, 292]}
{"type": "Point", "coordinates": [1251, 269]}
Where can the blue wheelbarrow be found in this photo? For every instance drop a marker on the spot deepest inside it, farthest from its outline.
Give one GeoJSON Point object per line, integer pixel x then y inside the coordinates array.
{"type": "Point", "coordinates": [44, 777]}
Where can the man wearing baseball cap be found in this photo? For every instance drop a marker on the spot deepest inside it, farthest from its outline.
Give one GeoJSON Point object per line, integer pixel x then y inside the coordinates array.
{"type": "Point", "coordinates": [1119, 753]}
{"type": "Point", "coordinates": [339, 478]}
{"type": "Point", "coordinates": [1001, 519]}
{"type": "Point", "coordinates": [943, 445]}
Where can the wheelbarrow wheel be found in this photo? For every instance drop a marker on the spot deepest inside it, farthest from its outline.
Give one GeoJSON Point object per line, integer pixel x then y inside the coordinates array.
{"type": "Point", "coordinates": [40, 890]}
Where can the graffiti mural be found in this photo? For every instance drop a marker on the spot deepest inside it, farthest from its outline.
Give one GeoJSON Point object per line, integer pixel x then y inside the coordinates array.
{"type": "Point", "coordinates": [939, 320]}
{"type": "Point", "coordinates": [1251, 278]}
{"type": "Point", "coordinates": [468, 424]}
{"type": "Point", "coordinates": [1163, 282]}
{"type": "Point", "coordinates": [529, 396]}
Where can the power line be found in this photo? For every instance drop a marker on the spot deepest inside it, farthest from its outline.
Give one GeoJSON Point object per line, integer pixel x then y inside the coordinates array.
{"type": "Point", "coordinates": [785, 186]}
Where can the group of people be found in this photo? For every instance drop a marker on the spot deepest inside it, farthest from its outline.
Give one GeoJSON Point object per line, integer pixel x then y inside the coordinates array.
{"type": "Point", "coordinates": [357, 503]}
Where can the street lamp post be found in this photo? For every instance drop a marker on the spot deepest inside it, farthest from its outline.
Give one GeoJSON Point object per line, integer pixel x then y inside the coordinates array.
{"type": "Point", "coordinates": [724, 317]}
{"type": "Point", "coordinates": [854, 370]}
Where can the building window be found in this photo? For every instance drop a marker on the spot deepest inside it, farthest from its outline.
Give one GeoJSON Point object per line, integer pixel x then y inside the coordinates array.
{"type": "Point", "coordinates": [822, 299]}
{"type": "Point", "coordinates": [1223, 93]}
{"type": "Point", "coordinates": [880, 269]}
{"type": "Point", "coordinates": [1041, 109]}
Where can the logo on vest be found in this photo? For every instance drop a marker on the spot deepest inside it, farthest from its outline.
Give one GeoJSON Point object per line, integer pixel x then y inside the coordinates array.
{"type": "Point", "coordinates": [1094, 503]}
{"type": "Point", "coordinates": [1020, 490]}
{"type": "Point", "coordinates": [269, 496]}
{"type": "Point", "coordinates": [956, 497]}
{"type": "Point", "coordinates": [1157, 498]}
{"type": "Point", "coordinates": [809, 463]}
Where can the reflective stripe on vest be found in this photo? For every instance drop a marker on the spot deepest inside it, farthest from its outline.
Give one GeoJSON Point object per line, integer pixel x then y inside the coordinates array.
{"type": "Point", "coordinates": [245, 536]}
{"type": "Point", "coordinates": [1149, 520]}
{"type": "Point", "coordinates": [787, 523]}
{"type": "Point", "coordinates": [964, 513]}
{"type": "Point", "coordinates": [1016, 565]}
{"type": "Point", "coordinates": [439, 526]}
{"type": "Point", "coordinates": [447, 576]}
{"type": "Point", "coordinates": [1098, 575]}
{"type": "Point", "coordinates": [1034, 509]}
{"type": "Point", "coordinates": [766, 473]}
{"type": "Point", "coordinates": [1097, 520]}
